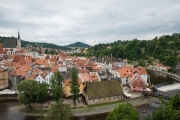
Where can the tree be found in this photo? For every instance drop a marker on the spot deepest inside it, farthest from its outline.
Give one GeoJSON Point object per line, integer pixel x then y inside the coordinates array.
{"type": "Point", "coordinates": [58, 111]}
{"type": "Point", "coordinates": [56, 83]}
{"type": "Point", "coordinates": [42, 93]}
{"type": "Point", "coordinates": [74, 85]}
{"type": "Point", "coordinates": [124, 111]}
{"type": "Point", "coordinates": [27, 91]}
{"type": "Point", "coordinates": [167, 110]}
{"type": "Point", "coordinates": [142, 62]}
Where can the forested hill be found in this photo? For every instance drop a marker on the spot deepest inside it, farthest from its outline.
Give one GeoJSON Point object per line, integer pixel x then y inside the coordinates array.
{"type": "Point", "coordinates": [44, 45]}
{"type": "Point", "coordinates": [79, 45]}
{"type": "Point", "coordinates": [165, 48]}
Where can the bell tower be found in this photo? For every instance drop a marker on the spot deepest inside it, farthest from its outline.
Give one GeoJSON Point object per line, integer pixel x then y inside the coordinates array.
{"type": "Point", "coordinates": [19, 42]}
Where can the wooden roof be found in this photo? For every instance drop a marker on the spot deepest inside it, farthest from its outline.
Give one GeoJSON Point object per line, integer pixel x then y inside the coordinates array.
{"type": "Point", "coordinates": [103, 89]}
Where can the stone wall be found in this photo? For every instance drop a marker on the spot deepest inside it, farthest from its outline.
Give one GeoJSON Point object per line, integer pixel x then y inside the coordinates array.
{"type": "Point", "coordinates": [104, 100]}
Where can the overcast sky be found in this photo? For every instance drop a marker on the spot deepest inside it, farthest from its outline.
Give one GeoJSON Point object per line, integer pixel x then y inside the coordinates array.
{"type": "Point", "coordinates": [64, 22]}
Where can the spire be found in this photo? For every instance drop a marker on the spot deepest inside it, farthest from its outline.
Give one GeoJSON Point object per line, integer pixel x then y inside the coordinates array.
{"type": "Point", "coordinates": [18, 35]}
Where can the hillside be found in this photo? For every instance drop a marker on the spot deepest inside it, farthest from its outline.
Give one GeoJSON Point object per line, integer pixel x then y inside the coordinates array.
{"type": "Point", "coordinates": [166, 48]}
{"type": "Point", "coordinates": [44, 45]}
{"type": "Point", "coordinates": [79, 45]}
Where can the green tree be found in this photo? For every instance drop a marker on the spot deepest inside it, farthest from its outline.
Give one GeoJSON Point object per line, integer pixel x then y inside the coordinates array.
{"type": "Point", "coordinates": [74, 85]}
{"type": "Point", "coordinates": [58, 111]}
{"type": "Point", "coordinates": [167, 110]}
{"type": "Point", "coordinates": [124, 111]}
{"type": "Point", "coordinates": [142, 62]}
{"type": "Point", "coordinates": [42, 93]}
{"type": "Point", "coordinates": [27, 91]}
{"type": "Point", "coordinates": [56, 83]}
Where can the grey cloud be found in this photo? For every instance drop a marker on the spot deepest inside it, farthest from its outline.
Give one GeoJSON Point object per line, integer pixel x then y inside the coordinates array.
{"type": "Point", "coordinates": [92, 21]}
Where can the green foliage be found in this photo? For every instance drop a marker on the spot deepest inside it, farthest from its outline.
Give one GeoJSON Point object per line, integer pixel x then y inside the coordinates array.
{"type": "Point", "coordinates": [74, 85]}
{"type": "Point", "coordinates": [142, 63]}
{"type": "Point", "coordinates": [56, 83]}
{"type": "Point", "coordinates": [27, 91]}
{"type": "Point", "coordinates": [124, 111]}
{"type": "Point", "coordinates": [167, 111]}
{"type": "Point", "coordinates": [165, 48]}
{"type": "Point", "coordinates": [42, 93]}
{"type": "Point", "coordinates": [58, 111]}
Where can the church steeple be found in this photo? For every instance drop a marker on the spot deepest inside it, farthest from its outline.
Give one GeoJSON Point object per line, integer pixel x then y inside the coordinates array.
{"type": "Point", "coordinates": [18, 35]}
{"type": "Point", "coordinates": [19, 42]}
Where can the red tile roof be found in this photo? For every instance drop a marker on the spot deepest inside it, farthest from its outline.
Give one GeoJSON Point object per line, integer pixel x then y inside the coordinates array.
{"type": "Point", "coordinates": [138, 81]}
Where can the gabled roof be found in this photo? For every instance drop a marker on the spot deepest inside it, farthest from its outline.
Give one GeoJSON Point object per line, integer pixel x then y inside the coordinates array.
{"type": "Point", "coordinates": [22, 71]}
{"type": "Point", "coordinates": [94, 77]}
{"type": "Point", "coordinates": [10, 43]}
{"type": "Point", "coordinates": [142, 70]}
{"type": "Point", "coordinates": [127, 72]}
{"type": "Point", "coordinates": [103, 89]}
{"type": "Point", "coordinates": [41, 62]}
{"type": "Point", "coordinates": [44, 74]}
{"type": "Point", "coordinates": [85, 76]}
{"type": "Point", "coordinates": [138, 81]}
{"type": "Point", "coordinates": [32, 77]}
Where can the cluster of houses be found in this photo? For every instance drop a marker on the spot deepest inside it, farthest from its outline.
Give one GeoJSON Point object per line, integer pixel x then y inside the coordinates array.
{"type": "Point", "coordinates": [101, 79]}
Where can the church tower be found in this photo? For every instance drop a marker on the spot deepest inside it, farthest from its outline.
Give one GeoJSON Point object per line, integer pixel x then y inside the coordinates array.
{"type": "Point", "coordinates": [19, 42]}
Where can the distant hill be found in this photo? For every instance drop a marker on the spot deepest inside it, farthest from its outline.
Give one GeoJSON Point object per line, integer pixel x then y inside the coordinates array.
{"type": "Point", "coordinates": [79, 45]}
{"type": "Point", "coordinates": [44, 45]}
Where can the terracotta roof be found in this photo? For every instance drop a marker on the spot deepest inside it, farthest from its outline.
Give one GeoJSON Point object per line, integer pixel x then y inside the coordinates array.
{"type": "Point", "coordinates": [85, 76]}
{"type": "Point", "coordinates": [1, 46]}
{"type": "Point", "coordinates": [44, 74]}
{"type": "Point", "coordinates": [127, 72]}
{"type": "Point", "coordinates": [142, 70]}
{"type": "Point", "coordinates": [32, 77]}
{"type": "Point", "coordinates": [3, 51]}
{"type": "Point", "coordinates": [55, 68]}
{"type": "Point", "coordinates": [94, 77]}
{"type": "Point", "coordinates": [22, 71]}
{"type": "Point", "coordinates": [41, 62]}
{"type": "Point", "coordinates": [83, 71]}
{"type": "Point", "coordinates": [37, 70]}
{"type": "Point", "coordinates": [138, 81]}
{"type": "Point", "coordinates": [68, 81]}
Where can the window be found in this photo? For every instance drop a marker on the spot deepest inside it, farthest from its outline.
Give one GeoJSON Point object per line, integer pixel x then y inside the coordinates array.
{"type": "Point", "coordinates": [93, 100]}
{"type": "Point", "coordinates": [109, 98]}
{"type": "Point", "coordinates": [134, 87]}
{"type": "Point", "coordinates": [99, 99]}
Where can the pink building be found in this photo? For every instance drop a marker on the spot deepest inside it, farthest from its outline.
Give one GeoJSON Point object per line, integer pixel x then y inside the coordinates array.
{"type": "Point", "coordinates": [137, 84]}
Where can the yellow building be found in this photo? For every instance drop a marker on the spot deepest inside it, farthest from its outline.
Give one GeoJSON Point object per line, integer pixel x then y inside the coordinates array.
{"type": "Point", "coordinates": [3, 79]}
{"type": "Point", "coordinates": [67, 87]}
